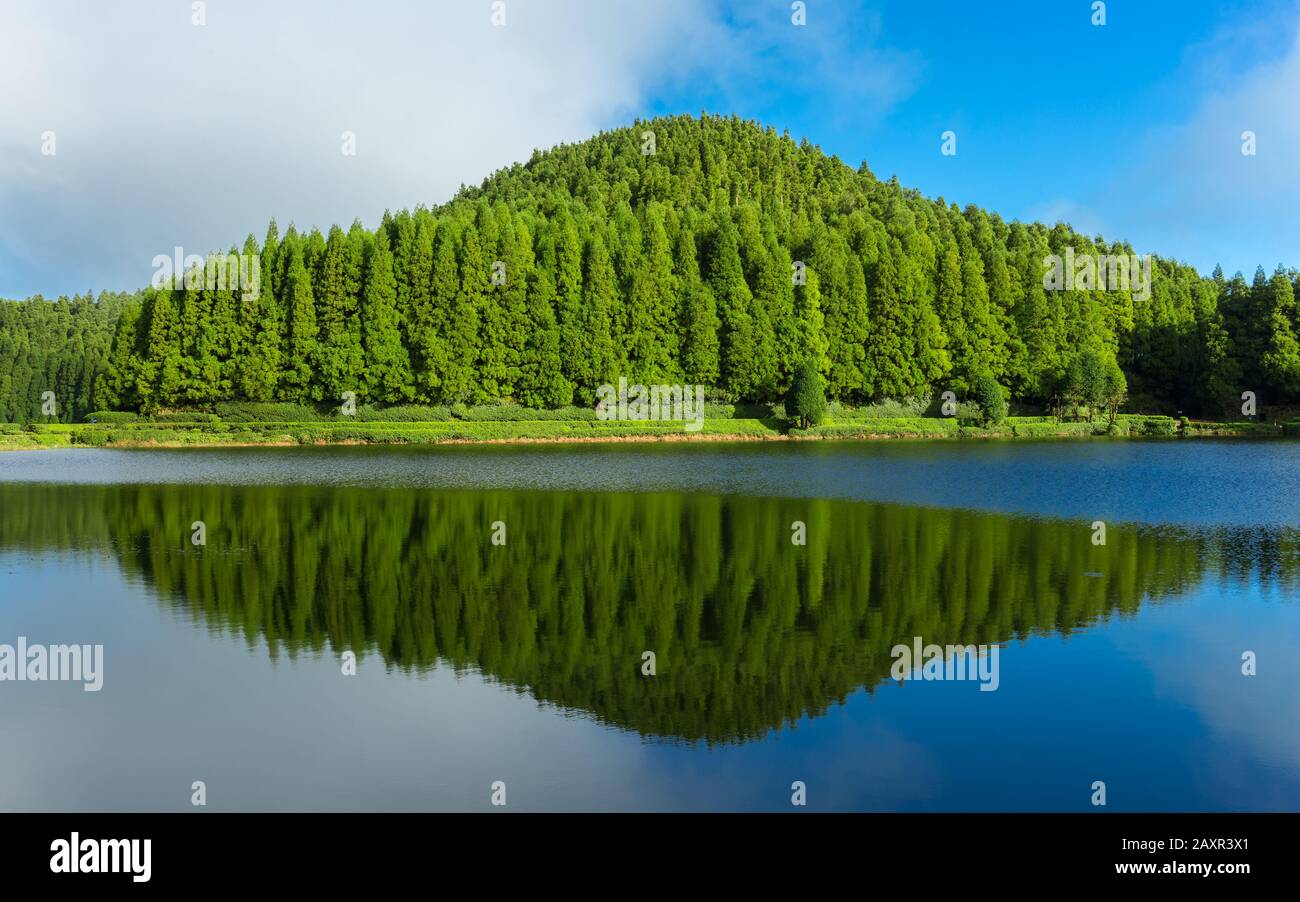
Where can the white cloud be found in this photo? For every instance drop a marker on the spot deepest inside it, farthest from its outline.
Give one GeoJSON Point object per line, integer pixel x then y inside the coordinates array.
{"type": "Point", "coordinates": [171, 134]}
{"type": "Point", "coordinates": [174, 134]}
{"type": "Point", "coordinates": [1191, 192]}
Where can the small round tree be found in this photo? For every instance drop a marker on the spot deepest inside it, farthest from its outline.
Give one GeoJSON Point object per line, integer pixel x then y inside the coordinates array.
{"type": "Point", "coordinates": [990, 397]}
{"type": "Point", "coordinates": [1116, 390]}
{"type": "Point", "coordinates": [806, 401]}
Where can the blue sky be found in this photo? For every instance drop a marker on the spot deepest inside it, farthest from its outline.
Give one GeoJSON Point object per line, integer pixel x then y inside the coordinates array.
{"type": "Point", "coordinates": [1116, 129]}
{"type": "Point", "coordinates": [1131, 129]}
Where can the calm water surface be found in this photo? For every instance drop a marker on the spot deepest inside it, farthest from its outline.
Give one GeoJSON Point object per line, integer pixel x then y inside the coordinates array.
{"type": "Point", "coordinates": [522, 662]}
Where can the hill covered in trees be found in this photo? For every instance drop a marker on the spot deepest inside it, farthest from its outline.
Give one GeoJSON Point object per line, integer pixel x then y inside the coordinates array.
{"type": "Point", "coordinates": [700, 250]}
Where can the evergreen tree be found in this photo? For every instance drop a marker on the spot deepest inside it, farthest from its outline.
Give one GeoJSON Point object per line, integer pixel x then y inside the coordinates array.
{"type": "Point", "coordinates": [541, 378]}
{"type": "Point", "coordinates": [459, 326]}
{"type": "Point", "coordinates": [575, 349]}
{"type": "Point", "coordinates": [1276, 311]}
{"type": "Point", "coordinates": [476, 293]}
{"type": "Point", "coordinates": [806, 399]}
{"type": "Point", "coordinates": [118, 387]}
{"type": "Point", "coordinates": [699, 315]}
{"type": "Point", "coordinates": [974, 354]}
{"type": "Point", "coordinates": [301, 339]}
{"type": "Point", "coordinates": [430, 288]}
{"type": "Point", "coordinates": [339, 356]}
{"type": "Point", "coordinates": [599, 290]}
{"type": "Point", "coordinates": [726, 279]}
{"type": "Point", "coordinates": [199, 369]}
{"type": "Point", "coordinates": [161, 373]}
{"type": "Point", "coordinates": [262, 328]}
{"type": "Point", "coordinates": [652, 308]}
{"type": "Point", "coordinates": [891, 354]}
{"type": "Point", "coordinates": [810, 341]}
{"type": "Point", "coordinates": [388, 367]}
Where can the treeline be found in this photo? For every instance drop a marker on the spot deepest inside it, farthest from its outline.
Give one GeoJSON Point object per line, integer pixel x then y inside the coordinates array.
{"type": "Point", "coordinates": [750, 632]}
{"type": "Point", "coordinates": [59, 347]}
{"type": "Point", "coordinates": [700, 250]}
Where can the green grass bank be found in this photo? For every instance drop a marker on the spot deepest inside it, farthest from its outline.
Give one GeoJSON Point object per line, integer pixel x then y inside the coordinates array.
{"type": "Point", "coordinates": [293, 424]}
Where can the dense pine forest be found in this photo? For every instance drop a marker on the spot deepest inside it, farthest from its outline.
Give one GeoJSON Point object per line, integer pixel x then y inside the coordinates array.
{"type": "Point", "coordinates": [58, 346]}
{"type": "Point", "coordinates": [698, 250]}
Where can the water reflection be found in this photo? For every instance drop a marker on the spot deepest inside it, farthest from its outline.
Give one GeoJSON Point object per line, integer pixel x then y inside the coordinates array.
{"type": "Point", "coordinates": [750, 631]}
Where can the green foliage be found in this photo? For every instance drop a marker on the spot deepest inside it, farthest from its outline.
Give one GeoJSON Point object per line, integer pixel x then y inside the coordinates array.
{"type": "Point", "coordinates": [1052, 428]}
{"type": "Point", "coordinates": [250, 412]}
{"type": "Point", "coordinates": [62, 347]}
{"type": "Point", "coordinates": [297, 382]}
{"type": "Point", "coordinates": [991, 399]}
{"type": "Point", "coordinates": [806, 402]}
{"type": "Point", "coordinates": [246, 423]}
{"type": "Point", "coordinates": [888, 409]}
{"type": "Point", "coordinates": [111, 416]}
{"type": "Point", "coordinates": [1086, 382]}
{"type": "Point", "coordinates": [387, 368]}
{"type": "Point", "coordinates": [1157, 426]}
{"type": "Point", "coordinates": [889, 427]}
{"type": "Point", "coordinates": [1114, 388]}
{"type": "Point", "coordinates": [675, 267]}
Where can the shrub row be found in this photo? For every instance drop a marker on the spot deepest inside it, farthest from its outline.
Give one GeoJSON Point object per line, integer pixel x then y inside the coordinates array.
{"type": "Point", "coordinates": [1047, 427]}
{"type": "Point", "coordinates": [1142, 425]}
{"type": "Point", "coordinates": [918, 427]}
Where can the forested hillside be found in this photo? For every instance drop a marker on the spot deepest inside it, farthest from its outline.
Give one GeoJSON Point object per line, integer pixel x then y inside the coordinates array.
{"type": "Point", "coordinates": [668, 266]}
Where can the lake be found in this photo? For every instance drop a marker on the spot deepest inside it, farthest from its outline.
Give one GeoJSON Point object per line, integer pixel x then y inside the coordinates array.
{"type": "Point", "coordinates": [499, 602]}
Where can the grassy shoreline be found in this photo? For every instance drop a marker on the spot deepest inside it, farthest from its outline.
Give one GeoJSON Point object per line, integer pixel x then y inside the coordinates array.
{"type": "Point", "coordinates": [212, 431]}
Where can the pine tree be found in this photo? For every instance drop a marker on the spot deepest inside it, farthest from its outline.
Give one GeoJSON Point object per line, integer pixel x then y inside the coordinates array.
{"type": "Point", "coordinates": [575, 349]}
{"type": "Point", "coordinates": [541, 379]}
{"type": "Point", "coordinates": [430, 288]}
{"type": "Point", "coordinates": [262, 328]}
{"type": "Point", "coordinates": [507, 314]}
{"type": "Point", "coordinates": [726, 279]}
{"type": "Point", "coordinates": [775, 331]}
{"type": "Point", "coordinates": [810, 340]}
{"type": "Point", "coordinates": [161, 372]}
{"type": "Point", "coordinates": [599, 293]}
{"type": "Point", "coordinates": [892, 352]}
{"type": "Point", "coordinates": [339, 358]}
{"type": "Point", "coordinates": [1276, 310]}
{"type": "Point", "coordinates": [388, 376]}
{"type": "Point", "coordinates": [118, 387]}
{"type": "Point", "coordinates": [948, 306]}
{"type": "Point", "coordinates": [301, 339]}
{"type": "Point", "coordinates": [843, 287]}
{"type": "Point", "coordinates": [199, 367]}
{"type": "Point", "coordinates": [976, 326]}
{"type": "Point", "coordinates": [460, 326]}
{"type": "Point", "coordinates": [403, 240]}
{"type": "Point", "coordinates": [651, 308]}
{"type": "Point", "coordinates": [699, 315]}
{"type": "Point", "coordinates": [476, 294]}
{"type": "Point", "coordinates": [1216, 373]}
